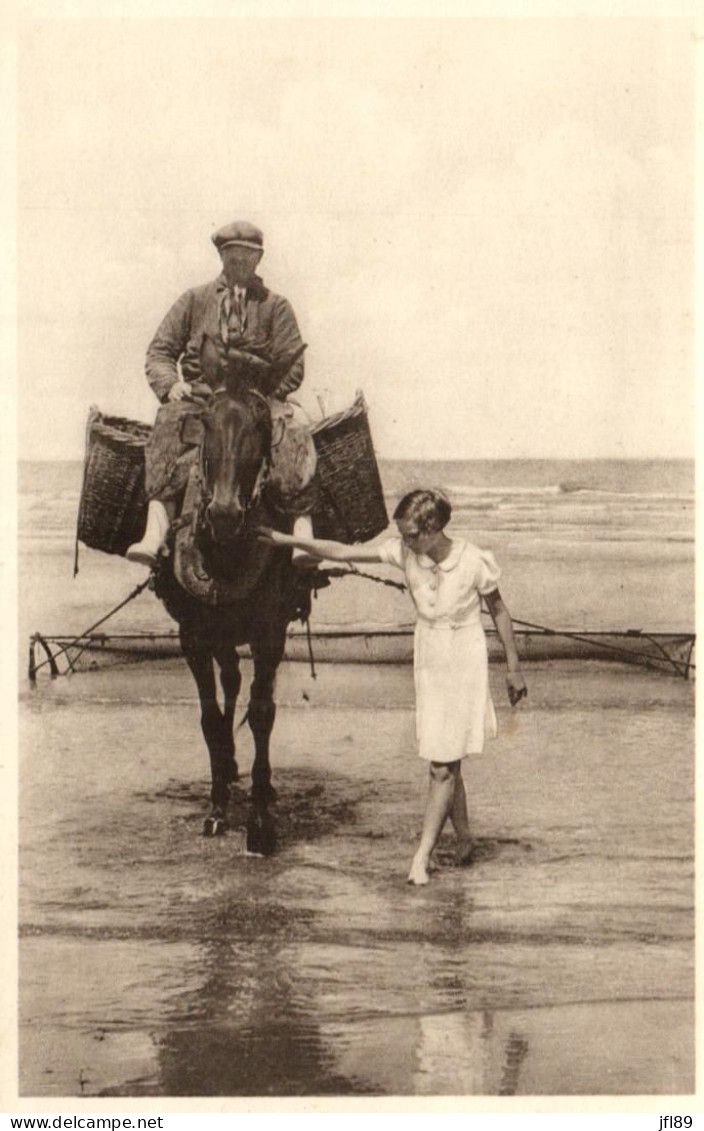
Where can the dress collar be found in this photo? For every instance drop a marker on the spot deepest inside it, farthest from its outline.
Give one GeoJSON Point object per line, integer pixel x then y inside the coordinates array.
{"type": "Point", "coordinates": [447, 563]}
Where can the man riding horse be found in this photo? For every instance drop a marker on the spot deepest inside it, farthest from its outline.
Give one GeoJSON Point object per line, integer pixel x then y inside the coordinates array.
{"type": "Point", "coordinates": [244, 326]}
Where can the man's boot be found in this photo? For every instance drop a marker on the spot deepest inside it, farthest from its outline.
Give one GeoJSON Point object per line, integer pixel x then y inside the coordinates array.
{"type": "Point", "coordinates": [147, 551]}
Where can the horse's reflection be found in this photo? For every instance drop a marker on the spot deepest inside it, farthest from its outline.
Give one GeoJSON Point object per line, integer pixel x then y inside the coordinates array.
{"type": "Point", "coordinates": [245, 1030]}
{"type": "Point", "coordinates": [273, 1009]}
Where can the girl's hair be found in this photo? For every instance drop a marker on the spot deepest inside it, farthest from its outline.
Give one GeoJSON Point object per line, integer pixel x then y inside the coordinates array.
{"type": "Point", "coordinates": [429, 508]}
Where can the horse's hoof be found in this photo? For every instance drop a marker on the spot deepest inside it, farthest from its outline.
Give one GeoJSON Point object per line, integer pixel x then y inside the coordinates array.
{"type": "Point", "coordinates": [214, 826]}
{"type": "Point", "coordinates": [261, 836]}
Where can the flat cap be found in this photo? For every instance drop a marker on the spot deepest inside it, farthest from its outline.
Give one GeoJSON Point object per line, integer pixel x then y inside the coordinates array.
{"type": "Point", "coordinates": [239, 232]}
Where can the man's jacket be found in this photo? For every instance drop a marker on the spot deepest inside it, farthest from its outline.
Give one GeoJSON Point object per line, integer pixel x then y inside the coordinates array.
{"type": "Point", "coordinates": [270, 328]}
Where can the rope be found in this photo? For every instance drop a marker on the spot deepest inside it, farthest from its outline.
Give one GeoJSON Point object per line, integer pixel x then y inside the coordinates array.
{"type": "Point", "coordinates": [353, 571]}
{"type": "Point", "coordinates": [682, 667]}
{"type": "Point", "coordinates": [75, 642]}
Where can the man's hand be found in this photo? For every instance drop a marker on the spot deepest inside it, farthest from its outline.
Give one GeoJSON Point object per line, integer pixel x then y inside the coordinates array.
{"type": "Point", "coordinates": [200, 392]}
{"type": "Point", "coordinates": [180, 391]}
{"type": "Point", "coordinates": [516, 687]}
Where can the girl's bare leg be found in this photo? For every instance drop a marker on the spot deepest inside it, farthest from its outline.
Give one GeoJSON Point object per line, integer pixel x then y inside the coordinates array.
{"type": "Point", "coordinates": [443, 779]}
{"type": "Point", "coordinates": [460, 822]}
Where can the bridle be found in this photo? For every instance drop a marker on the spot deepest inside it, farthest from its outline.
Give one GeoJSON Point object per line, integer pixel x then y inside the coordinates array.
{"type": "Point", "coordinates": [262, 477]}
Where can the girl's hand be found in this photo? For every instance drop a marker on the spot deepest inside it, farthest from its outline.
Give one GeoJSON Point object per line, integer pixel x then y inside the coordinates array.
{"type": "Point", "coordinates": [273, 537]}
{"type": "Point", "coordinates": [516, 687]}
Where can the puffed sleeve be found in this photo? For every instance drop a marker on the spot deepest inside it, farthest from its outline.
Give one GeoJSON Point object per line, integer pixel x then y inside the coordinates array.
{"type": "Point", "coordinates": [391, 551]}
{"type": "Point", "coordinates": [488, 573]}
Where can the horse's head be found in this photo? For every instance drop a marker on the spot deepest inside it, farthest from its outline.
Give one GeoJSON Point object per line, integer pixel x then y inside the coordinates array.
{"type": "Point", "coordinates": [236, 443]}
{"type": "Point", "coordinates": [234, 434]}
{"type": "Point", "coordinates": [238, 367]}
{"type": "Point", "coordinates": [234, 454]}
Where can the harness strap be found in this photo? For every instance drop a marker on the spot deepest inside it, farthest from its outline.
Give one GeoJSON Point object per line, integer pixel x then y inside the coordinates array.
{"type": "Point", "coordinates": [311, 658]}
{"type": "Point", "coordinates": [183, 520]}
{"type": "Point", "coordinates": [262, 474]}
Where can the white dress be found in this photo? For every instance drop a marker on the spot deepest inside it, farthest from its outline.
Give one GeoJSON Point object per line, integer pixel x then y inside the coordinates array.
{"type": "Point", "coordinates": [454, 710]}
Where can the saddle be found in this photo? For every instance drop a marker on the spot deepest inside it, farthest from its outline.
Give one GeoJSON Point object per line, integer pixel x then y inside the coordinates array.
{"type": "Point", "coordinates": [291, 487]}
{"type": "Point", "coordinates": [173, 450]}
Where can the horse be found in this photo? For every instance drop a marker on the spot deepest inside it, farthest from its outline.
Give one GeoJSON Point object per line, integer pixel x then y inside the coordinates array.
{"type": "Point", "coordinates": [224, 587]}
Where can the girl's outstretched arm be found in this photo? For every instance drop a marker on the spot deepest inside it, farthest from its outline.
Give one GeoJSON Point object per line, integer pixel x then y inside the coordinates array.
{"type": "Point", "coordinates": [322, 548]}
{"type": "Point", "coordinates": [501, 617]}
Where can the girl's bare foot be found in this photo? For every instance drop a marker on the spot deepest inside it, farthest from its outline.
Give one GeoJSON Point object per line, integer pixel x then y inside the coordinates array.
{"type": "Point", "coordinates": [418, 874]}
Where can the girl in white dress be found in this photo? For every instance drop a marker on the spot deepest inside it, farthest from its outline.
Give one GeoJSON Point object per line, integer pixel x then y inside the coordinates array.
{"type": "Point", "coordinates": [447, 577]}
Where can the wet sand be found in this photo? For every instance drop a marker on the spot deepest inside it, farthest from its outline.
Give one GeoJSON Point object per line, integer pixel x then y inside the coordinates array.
{"type": "Point", "coordinates": [156, 962]}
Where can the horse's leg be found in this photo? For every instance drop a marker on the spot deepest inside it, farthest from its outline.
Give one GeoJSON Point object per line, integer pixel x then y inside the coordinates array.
{"type": "Point", "coordinates": [262, 712]}
{"type": "Point", "coordinates": [200, 661]}
{"type": "Point", "coordinates": [230, 680]}
{"type": "Point", "coordinates": [267, 656]}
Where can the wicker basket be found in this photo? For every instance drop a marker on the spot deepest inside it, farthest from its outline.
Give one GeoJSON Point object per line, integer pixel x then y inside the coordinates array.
{"type": "Point", "coordinates": [350, 505]}
{"type": "Point", "coordinates": [112, 510]}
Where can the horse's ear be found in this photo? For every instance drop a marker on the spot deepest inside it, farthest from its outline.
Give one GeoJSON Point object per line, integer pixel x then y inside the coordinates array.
{"type": "Point", "coordinates": [192, 430]}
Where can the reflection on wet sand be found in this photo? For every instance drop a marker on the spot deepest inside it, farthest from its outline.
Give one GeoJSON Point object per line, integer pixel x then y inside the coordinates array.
{"type": "Point", "coordinates": [241, 1033]}
{"type": "Point", "coordinates": [155, 962]}
{"type": "Point", "coordinates": [610, 1048]}
{"type": "Point", "coordinates": [244, 1030]}
{"type": "Point", "coordinates": [462, 1054]}
{"type": "Point", "coordinates": [452, 1054]}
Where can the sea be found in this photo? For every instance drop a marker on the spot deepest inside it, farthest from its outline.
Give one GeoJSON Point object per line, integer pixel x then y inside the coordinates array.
{"type": "Point", "coordinates": [582, 544]}
{"type": "Point", "coordinates": [155, 962]}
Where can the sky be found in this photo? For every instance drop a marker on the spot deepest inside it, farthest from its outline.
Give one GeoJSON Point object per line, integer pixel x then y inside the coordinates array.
{"type": "Point", "coordinates": [487, 225]}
